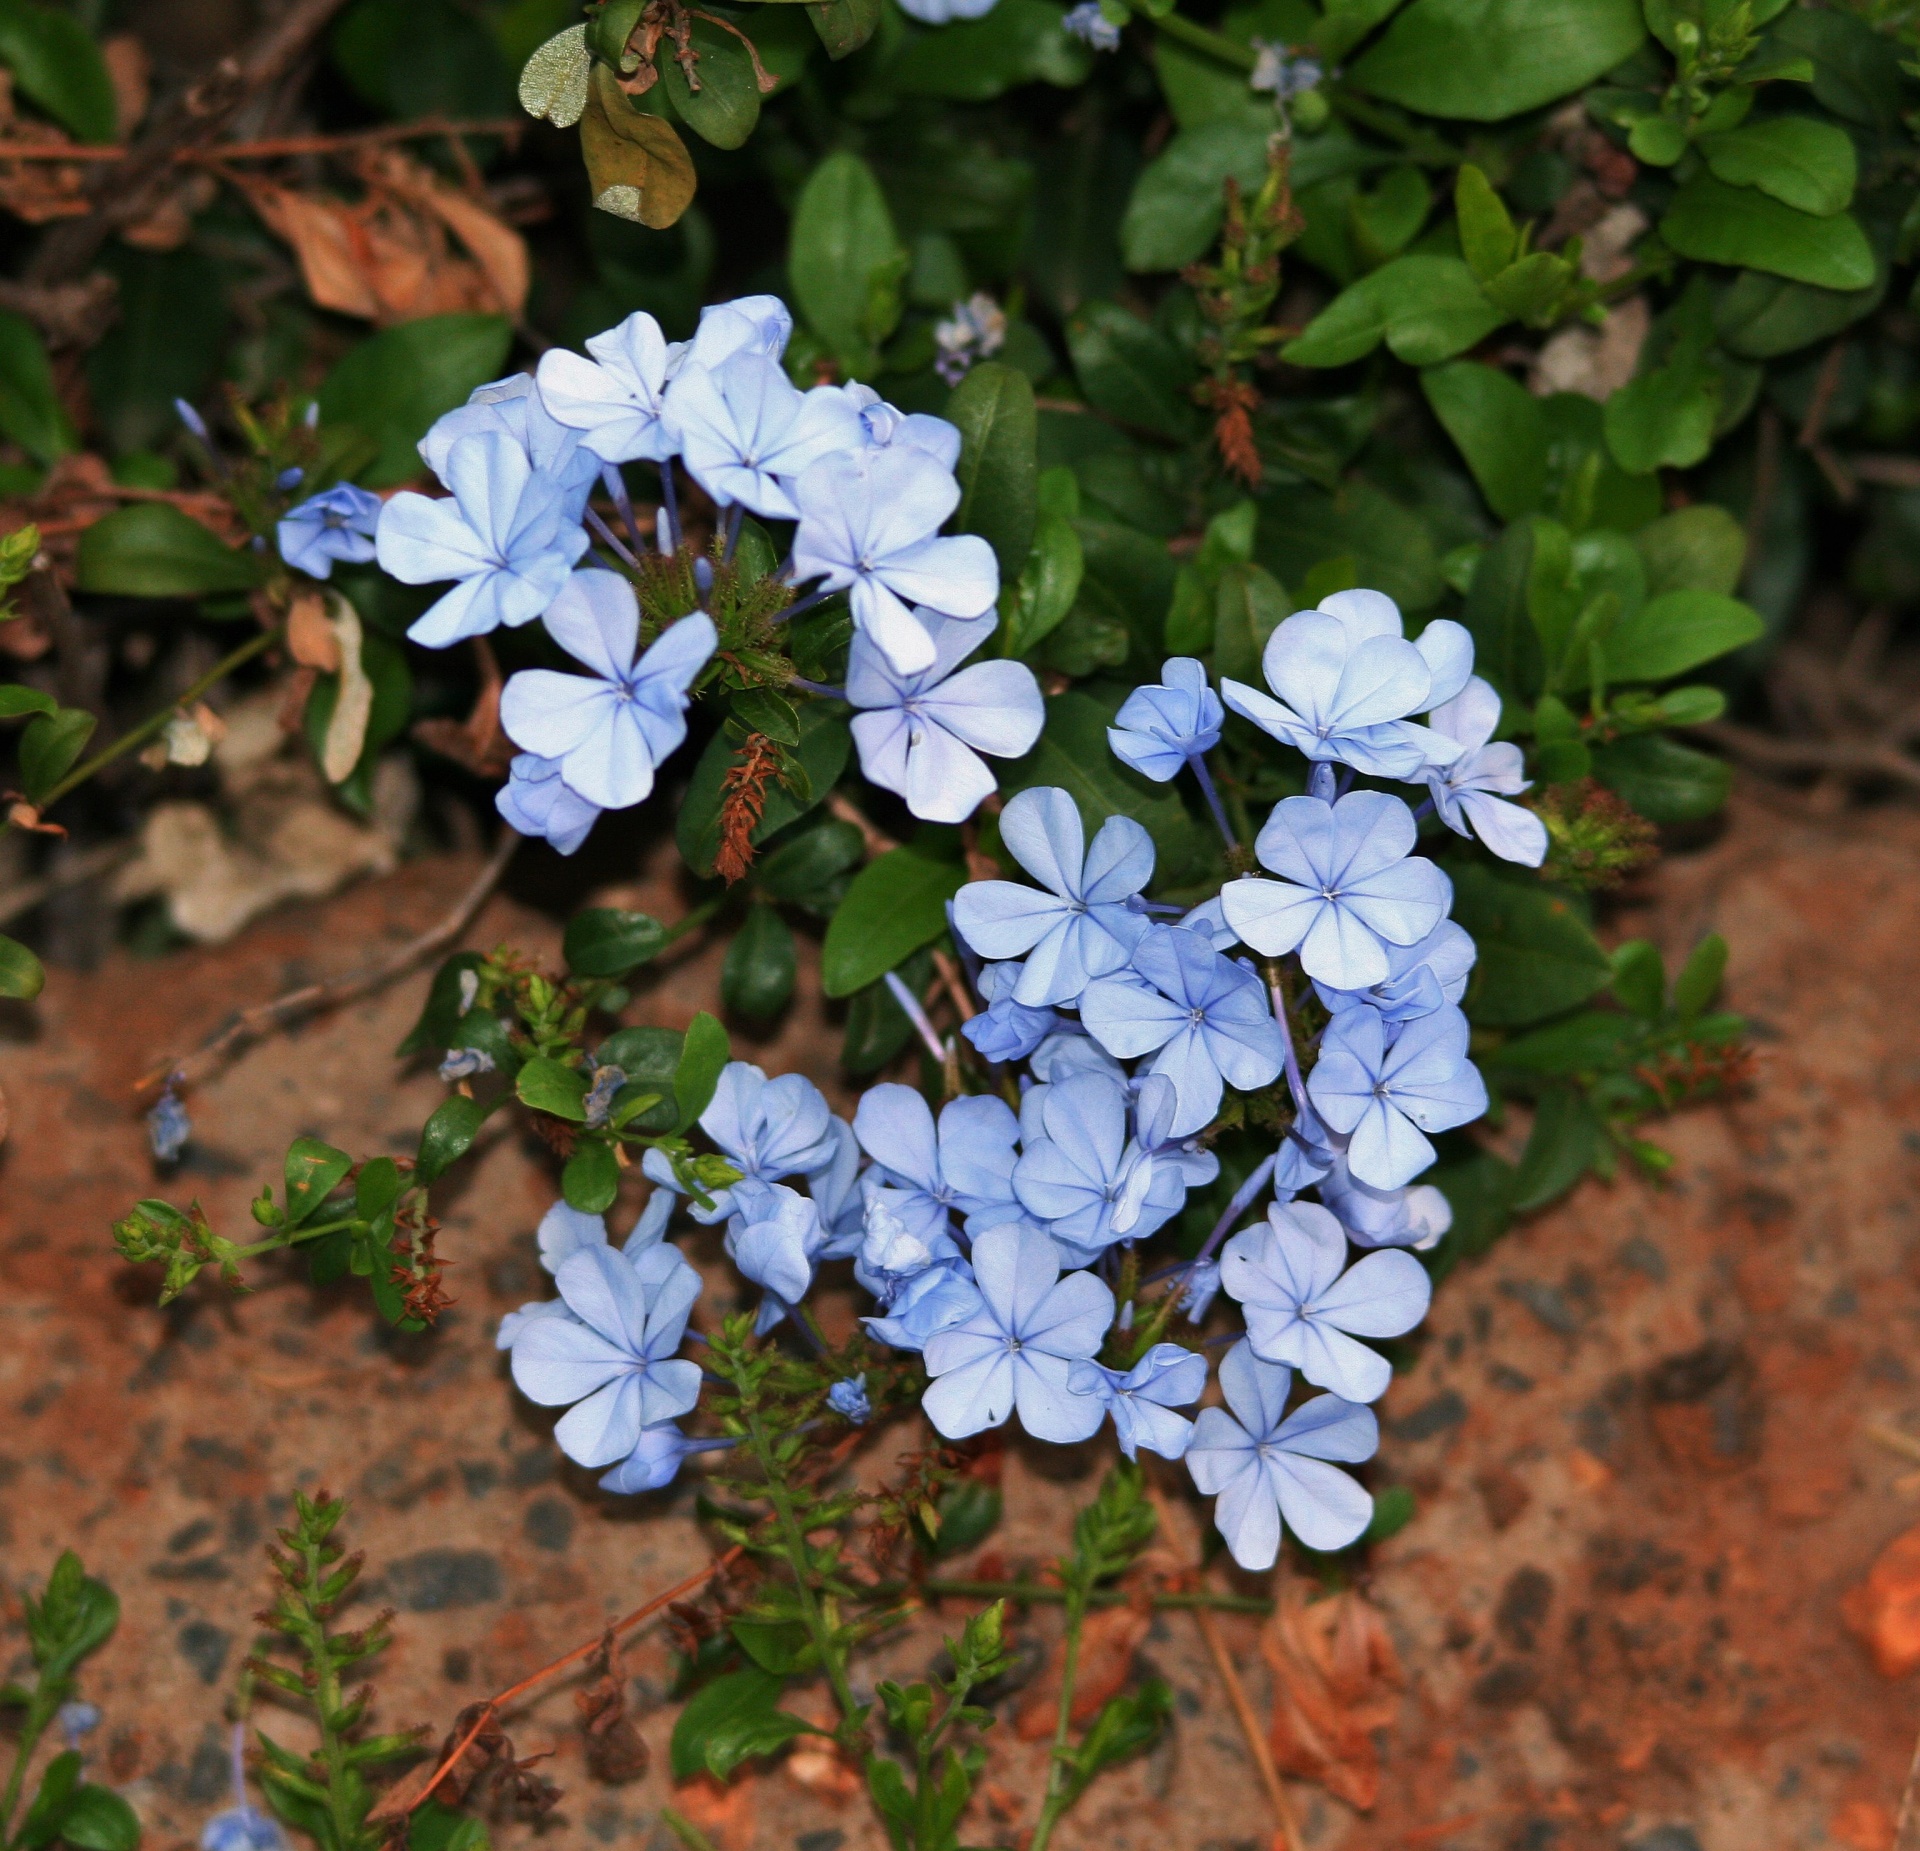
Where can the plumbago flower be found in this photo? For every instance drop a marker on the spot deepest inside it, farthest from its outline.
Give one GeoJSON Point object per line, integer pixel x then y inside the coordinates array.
{"type": "Point", "coordinates": [538, 801]}
{"type": "Point", "coordinates": [1162, 726]}
{"type": "Point", "coordinates": [747, 433]}
{"type": "Point", "coordinates": [923, 1173]}
{"type": "Point", "coordinates": [1467, 792]}
{"type": "Point", "coordinates": [337, 524]}
{"type": "Point", "coordinates": [767, 1129]}
{"type": "Point", "coordinates": [614, 400]}
{"type": "Point", "coordinates": [1142, 1399]}
{"type": "Point", "coordinates": [1384, 1092]}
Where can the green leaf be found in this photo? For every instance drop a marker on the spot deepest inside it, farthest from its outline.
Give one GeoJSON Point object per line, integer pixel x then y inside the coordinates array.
{"type": "Point", "coordinates": [1664, 419]}
{"type": "Point", "coordinates": [56, 65]}
{"type": "Point", "coordinates": [30, 409]}
{"type": "Point", "coordinates": [1485, 60]}
{"type": "Point", "coordinates": [390, 388]}
{"type": "Point", "coordinates": [1586, 1043]}
{"type": "Point", "coordinates": [1639, 979]}
{"type": "Point", "coordinates": [17, 699]}
{"type": "Point", "coordinates": [649, 1057]}
{"type": "Point", "coordinates": [1566, 1137]}
{"type": "Point", "coordinates": [22, 975]}
{"type": "Point", "coordinates": [756, 978]}
{"type": "Point", "coordinates": [896, 904]}
{"type": "Point", "coordinates": [49, 749]}
{"type": "Point", "coordinates": [703, 1058]}
{"type": "Point", "coordinates": [1679, 630]}
{"type": "Point", "coordinates": [975, 60]}
{"type": "Point", "coordinates": [1722, 224]}
{"type": "Point", "coordinates": [603, 941]}
{"type": "Point", "coordinates": [1036, 603]}
{"type": "Point", "coordinates": [1803, 163]}
{"type": "Point", "coordinates": [58, 1781]}
{"type": "Point", "coordinates": [1426, 308]}
{"type": "Point", "coordinates": [1537, 956]}
{"type": "Point", "coordinates": [1701, 548]}
{"type": "Point", "coordinates": [1699, 979]}
{"type": "Point", "coordinates": [1179, 200]}
{"type": "Point", "coordinates": [998, 468]}
{"type": "Point", "coordinates": [434, 1827]}
{"type": "Point", "coordinates": [447, 1136]}
{"type": "Point", "coordinates": [377, 1187]}
{"type": "Point", "coordinates": [824, 745]}
{"type": "Point", "coordinates": [1132, 372]}
{"type": "Point", "coordinates": [168, 342]}
{"type": "Point", "coordinates": [1500, 429]}
{"type": "Point", "coordinates": [730, 1721]}
{"type": "Point", "coordinates": [314, 1171]}
{"type": "Point", "coordinates": [1479, 1190]}
{"type": "Point", "coordinates": [1487, 237]}
{"type": "Point", "coordinates": [552, 1086]}
{"type": "Point", "coordinates": [1249, 604]}
{"type": "Point", "coordinates": [1506, 645]}
{"type": "Point", "coordinates": [152, 550]}
{"type": "Point", "coordinates": [1393, 1510]}
{"type": "Point", "coordinates": [591, 1178]}
{"type": "Point", "coordinates": [1662, 779]}
{"type": "Point", "coordinates": [844, 25]}
{"type": "Point", "coordinates": [801, 868]}
{"type": "Point", "coordinates": [553, 81]}
{"type": "Point", "coordinates": [726, 107]}
{"type": "Point", "coordinates": [846, 261]}
{"type": "Point", "coordinates": [439, 1019]}
{"type": "Point", "coordinates": [96, 1819]}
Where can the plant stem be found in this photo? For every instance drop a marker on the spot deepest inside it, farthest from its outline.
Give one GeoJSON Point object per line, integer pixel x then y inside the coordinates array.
{"type": "Point", "coordinates": [1076, 1593]}
{"type": "Point", "coordinates": [40, 1711]}
{"type": "Point", "coordinates": [1214, 45]}
{"type": "Point", "coordinates": [1033, 1593]}
{"type": "Point", "coordinates": [1198, 762]}
{"type": "Point", "coordinates": [139, 735]}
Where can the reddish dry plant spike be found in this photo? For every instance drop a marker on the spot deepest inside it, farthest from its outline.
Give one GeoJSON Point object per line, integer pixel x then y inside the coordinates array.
{"type": "Point", "coordinates": [1697, 1071]}
{"type": "Point", "coordinates": [745, 798]}
{"type": "Point", "coordinates": [1234, 401]}
{"type": "Point", "coordinates": [417, 1268]}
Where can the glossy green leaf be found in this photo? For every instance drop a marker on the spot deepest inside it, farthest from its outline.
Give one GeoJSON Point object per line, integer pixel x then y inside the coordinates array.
{"type": "Point", "coordinates": [844, 25]}
{"type": "Point", "coordinates": [313, 1171]}
{"type": "Point", "coordinates": [999, 430]}
{"type": "Point", "coordinates": [726, 107]}
{"type": "Point", "coordinates": [22, 975]}
{"type": "Point", "coordinates": [1426, 308]}
{"type": "Point", "coordinates": [30, 409]}
{"type": "Point", "coordinates": [590, 1178]}
{"type": "Point", "coordinates": [1566, 1137]}
{"type": "Point", "coordinates": [603, 941]}
{"type": "Point", "coordinates": [703, 1058]}
{"type": "Point", "coordinates": [824, 746]}
{"type": "Point", "coordinates": [1179, 200]}
{"type": "Point", "coordinates": [152, 550]}
{"type": "Point", "coordinates": [897, 903]}
{"type": "Point", "coordinates": [846, 261]}
{"type": "Point", "coordinates": [447, 1136]}
{"type": "Point", "coordinates": [650, 1058]}
{"type": "Point", "coordinates": [1132, 372]}
{"type": "Point", "coordinates": [167, 342]}
{"type": "Point", "coordinates": [1801, 161]}
{"type": "Point", "coordinates": [1537, 955]}
{"type": "Point", "coordinates": [1699, 548]}
{"type": "Point", "coordinates": [1487, 236]}
{"type": "Point", "coordinates": [756, 977]}
{"type": "Point", "coordinates": [1723, 224]}
{"type": "Point", "coordinates": [1700, 977]}
{"type": "Point", "coordinates": [551, 1086]}
{"type": "Point", "coordinates": [729, 1721]}
{"type": "Point", "coordinates": [17, 700]}
{"type": "Point", "coordinates": [57, 66]}
{"type": "Point", "coordinates": [1664, 418]}
{"type": "Point", "coordinates": [1679, 630]}
{"type": "Point", "coordinates": [392, 386]}
{"type": "Point", "coordinates": [1500, 429]}
{"type": "Point", "coordinates": [49, 749]}
{"type": "Point", "coordinates": [801, 868]}
{"type": "Point", "coordinates": [96, 1819]}
{"type": "Point", "coordinates": [1639, 979]}
{"type": "Point", "coordinates": [1035, 604]}
{"type": "Point", "coordinates": [1667, 782]}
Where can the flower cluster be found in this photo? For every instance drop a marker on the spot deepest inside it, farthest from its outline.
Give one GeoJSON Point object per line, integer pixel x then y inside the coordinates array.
{"type": "Point", "coordinates": [1117, 1034]}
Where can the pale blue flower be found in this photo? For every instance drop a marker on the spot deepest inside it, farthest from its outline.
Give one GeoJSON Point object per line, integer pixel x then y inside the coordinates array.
{"type": "Point", "coordinates": [892, 1253]}
{"type": "Point", "coordinates": [1304, 1310]}
{"type": "Point", "coordinates": [168, 1127]}
{"type": "Point", "coordinates": [1420, 977]}
{"type": "Point", "coordinates": [848, 1398]}
{"type": "Point", "coordinates": [1086, 21]}
{"type": "Point", "coordinates": [921, 735]}
{"type": "Point", "coordinates": [885, 424]}
{"type": "Point", "coordinates": [1349, 887]}
{"type": "Point", "coordinates": [77, 1721]}
{"type": "Point", "coordinates": [338, 523]}
{"type": "Point", "coordinates": [870, 526]}
{"type": "Point", "coordinates": [1198, 1289]}
{"type": "Point", "coordinates": [1204, 1018]}
{"type": "Point", "coordinates": [242, 1827]}
{"type": "Point", "coordinates": [1142, 1399]}
{"type": "Point", "coordinates": [464, 1064]}
{"type": "Point", "coordinates": [1383, 1094]}
{"type": "Point", "coordinates": [767, 1129]}
{"type": "Point", "coordinates": [936, 1298]}
{"type": "Point", "coordinates": [1162, 725]}
{"type": "Point", "coordinates": [1467, 793]}
{"type": "Point", "coordinates": [504, 534]}
{"type": "Point", "coordinates": [1280, 74]}
{"type": "Point", "coordinates": [1006, 1030]}
{"type": "Point", "coordinates": [608, 731]}
{"type": "Point", "coordinates": [1347, 678]}
{"type": "Point", "coordinates": [944, 12]}
{"type": "Point", "coordinates": [614, 1357]}
{"type": "Point", "coordinates": [1079, 927]}
{"type": "Point", "coordinates": [965, 1165]}
{"type": "Point", "coordinates": [835, 1186]}
{"type": "Point", "coordinates": [1019, 1347]}
{"type": "Point", "coordinates": [746, 431]}
{"type": "Point", "coordinates": [774, 1237]}
{"type": "Point", "coordinates": [656, 1459]}
{"type": "Point", "coordinates": [513, 408]}
{"type": "Point", "coordinates": [538, 801]}
{"type": "Point", "coordinates": [1264, 1465]}
{"type": "Point", "coordinates": [748, 324]}
{"type": "Point", "coordinates": [1414, 1217]}
{"type": "Point", "coordinates": [613, 399]}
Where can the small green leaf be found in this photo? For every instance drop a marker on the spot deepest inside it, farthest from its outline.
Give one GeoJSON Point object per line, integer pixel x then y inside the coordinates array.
{"type": "Point", "coordinates": [439, 1020]}
{"type": "Point", "coordinates": [844, 25]}
{"type": "Point", "coordinates": [314, 1171]}
{"type": "Point", "coordinates": [1722, 224]}
{"type": "Point", "coordinates": [603, 941]}
{"type": "Point", "coordinates": [57, 65]}
{"type": "Point", "coordinates": [1537, 956]}
{"type": "Point", "coordinates": [1499, 427]}
{"type": "Point", "coordinates": [1679, 630]}
{"type": "Point", "coordinates": [591, 1178]}
{"type": "Point", "coordinates": [393, 385]}
{"type": "Point", "coordinates": [1665, 418]}
{"type": "Point", "coordinates": [846, 261]}
{"type": "Point", "coordinates": [152, 550]}
{"type": "Point", "coordinates": [1662, 779]}
{"type": "Point", "coordinates": [1701, 548]}
{"type": "Point", "coordinates": [703, 1058]}
{"type": "Point", "coordinates": [1804, 163]}
{"type": "Point", "coordinates": [726, 108]}
{"type": "Point", "coordinates": [1393, 1510]}
{"type": "Point", "coordinates": [1487, 236]}
{"type": "Point", "coordinates": [810, 861]}
{"type": "Point", "coordinates": [17, 699]}
{"type": "Point", "coordinates": [49, 749]}
{"type": "Point", "coordinates": [729, 1721]}
{"type": "Point", "coordinates": [377, 1187]}
{"type": "Point", "coordinates": [1426, 308]}
{"type": "Point", "coordinates": [550, 1086]}
{"type": "Point", "coordinates": [761, 710]}
{"type": "Point", "coordinates": [447, 1136]}
{"type": "Point", "coordinates": [1699, 979]}
{"type": "Point", "coordinates": [1132, 372]}
{"type": "Point", "coordinates": [1640, 979]}
{"type": "Point", "coordinates": [896, 904]}
{"type": "Point", "coordinates": [756, 978]}
{"type": "Point", "coordinates": [999, 430]}
{"type": "Point", "coordinates": [58, 1783]}
{"type": "Point", "coordinates": [1567, 1135]}
{"type": "Point", "coordinates": [649, 1057]}
{"type": "Point", "coordinates": [22, 975]}
{"type": "Point", "coordinates": [96, 1819]}
{"type": "Point", "coordinates": [30, 409]}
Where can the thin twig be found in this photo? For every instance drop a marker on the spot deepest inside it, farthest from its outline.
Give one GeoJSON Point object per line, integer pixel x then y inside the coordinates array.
{"type": "Point", "coordinates": [268, 1018]}
{"type": "Point", "coordinates": [495, 1704]}
{"type": "Point", "coordinates": [1853, 759]}
{"type": "Point", "coordinates": [1886, 471]}
{"type": "Point", "coordinates": [877, 841]}
{"type": "Point", "coordinates": [955, 985]}
{"type": "Point", "coordinates": [275, 148]}
{"type": "Point", "coordinates": [1893, 1439]}
{"type": "Point", "coordinates": [1250, 1728]}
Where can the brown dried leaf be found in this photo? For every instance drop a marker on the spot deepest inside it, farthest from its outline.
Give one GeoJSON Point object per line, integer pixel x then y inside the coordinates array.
{"type": "Point", "coordinates": [37, 190]}
{"type": "Point", "coordinates": [1335, 1675]}
{"type": "Point", "coordinates": [1108, 1642]}
{"type": "Point", "coordinates": [637, 167]}
{"type": "Point", "coordinates": [310, 638]}
{"type": "Point", "coordinates": [614, 1749]}
{"type": "Point", "coordinates": [129, 70]}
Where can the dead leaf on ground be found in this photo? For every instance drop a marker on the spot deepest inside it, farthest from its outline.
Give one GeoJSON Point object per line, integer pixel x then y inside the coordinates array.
{"type": "Point", "coordinates": [1108, 1642]}
{"type": "Point", "coordinates": [1336, 1679]}
{"type": "Point", "coordinates": [615, 1750]}
{"type": "Point", "coordinates": [724, 1813]}
{"type": "Point", "coordinates": [37, 190]}
{"type": "Point", "coordinates": [1884, 1610]}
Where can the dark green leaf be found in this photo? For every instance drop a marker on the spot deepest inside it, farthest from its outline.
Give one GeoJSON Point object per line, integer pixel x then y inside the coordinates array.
{"type": "Point", "coordinates": [1699, 979]}
{"type": "Point", "coordinates": [844, 25]}
{"type": "Point", "coordinates": [56, 65]}
{"type": "Point", "coordinates": [703, 1057]}
{"type": "Point", "coordinates": [846, 260]}
{"type": "Point", "coordinates": [756, 978]}
{"type": "Point", "coordinates": [1664, 419]}
{"type": "Point", "coordinates": [726, 107]}
{"type": "Point", "coordinates": [1701, 548]}
{"type": "Point", "coordinates": [1179, 201]}
{"type": "Point", "coordinates": [434, 1827]}
{"type": "Point", "coordinates": [1393, 1510]}
{"type": "Point", "coordinates": [58, 1783]}
{"type": "Point", "coordinates": [1566, 1137]}
{"type": "Point", "coordinates": [1249, 604]}
{"type": "Point", "coordinates": [440, 1018]}
{"type": "Point", "coordinates": [1426, 308]}
{"type": "Point", "coordinates": [22, 975]}
{"type": "Point", "coordinates": [730, 1721]}
{"type": "Point", "coordinates": [1485, 60]}
{"type": "Point", "coordinates": [824, 745]}
{"type": "Point", "coordinates": [803, 866]}
{"type": "Point", "coordinates": [1662, 779]}
{"type": "Point", "coordinates": [779, 1646]}
{"type": "Point", "coordinates": [1487, 236]}
{"type": "Point", "coordinates": [391, 387]}
{"type": "Point", "coordinates": [1804, 163]}
{"type": "Point", "coordinates": [895, 905]}
{"type": "Point", "coordinates": [49, 749]}
{"type": "Point", "coordinates": [166, 343]}
{"type": "Point", "coordinates": [591, 1178]}
{"type": "Point", "coordinates": [1856, 70]}
{"type": "Point", "coordinates": [1739, 225]}
{"type": "Point", "coordinates": [30, 409]}
{"type": "Point", "coordinates": [17, 699]}
{"type": "Point", "coordinates": [603, 941]}
{"type": "Point", "coordinates": [1132, 372]}
{"type": "Point", "coordinates": [314, 1171]}
{"type": "Point", "coordinates": [1589, 1042]}
{"type": "Point", "coordinates": [447, 1136]}
{"type": "Point", "coordinates": [1760, 316]}
{"type": "Point", "coordinates": [550, 1086]}
{"type": "Point", "coordinates": [98, 1820]}
{"type": "Point", "coordinates": [1640, 979]}
{"type": "Point", "coordinates": [1500, 429]}
{"type": "Point", "coordinates": [761, 710]}
{"type": "Point", "coordinates": [1537, 956]}
{"type": "Point", "coordinates": [377, 1187]}
{"type": "Point", "coordinates": [999, 429]}
{"type": "Point", "coordinates": [877, 1027]}
{"type": "Point", "coordinates": [1479, 1190]}
{"type": "Point", "coordinates": [969, 1511]}
{"type": "Point", "coordinates": [975, 60]}
{"type": "Point", "coordinates": [649, 1057]}
{"type": "Point", "coordinates": [1679, 630]}
{"type": "Point", "coordinates": [152, 550]}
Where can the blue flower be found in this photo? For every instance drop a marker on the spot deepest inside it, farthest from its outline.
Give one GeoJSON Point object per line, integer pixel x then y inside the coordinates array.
{"type": "Point", "coordinates": [1018, 1348]}
{"type": "Point", "coordinates": [1086, 21]}
{"type": "Point", "coordinates": [1263, 1464]}
{"type": "Point", "coordinates": [891, 1253]}
{"type": "Point", "coordinates": [1080, 927]}
{"type": "Point", "coordinates": [966, 1165]}
{"type": "Point", "coordinates": [1006, 1029]}
{"type": "Point", "coordinates": [1162, 725]}
{"type": "Point", "coordinates": [242, 1827]}
{"type": "Point", "coordinates": [746, 431]}
{"type": "Point", "coordinates": [1199, 1289]}
{"type": "Point", "coordinates": [656, 1459]}
{"type": "Point", "coordinates": [921, 735]}
{"type": "Point", "coordinates": [1207, 1016]}
{"type": "Point", "coordinates": [870, 525]}
{"type": "Point", "coordinates": [835, 1186]}
{"type": "Point", "coordinates": [505, 534]}
{"type": "Point", "coordinates": [1420, 977]}
{"type": "Point", "coordinates": [943, 12]}
{"type": "Point", "coordinates": [1415, 1217]}
{"type": "Point", "coordinates": [338, 523]}
{"type": "Point", "coordinates": [614, 1355]}
{"type": "Point", "coordinates": [1347, 678]}
{"type": "Point", "coordinates": [767, 1129]}
{"type": "Point", "coordinates": [608, 731]}
{"type": "Point", "coordinates": [1302, 1309]}
{"type": "Point", "coordinates": [1348, 887]}
{"type": "Point", "coordinates": [538, 801]}
{"type": "Point", "coordinates": [1142, 1399]}
{"type": "Point", "coordinates": [885, 424]}
{"type": "Point", "coordinates": [513, 408]}
{"type": "Point", "coordinates": [1467, 793]}
{"type": "Point", "coordinates": [748, 324]}
{"type": "Point", "coordinates": [168, 1127]}
{"type": "Point", "coordinates": [774, 1237]}
{"type": "Point", "coordinates": [934, 1299]}
{"type": "Point", "coordinates": [464, 1063]}
{"type": "Point", "coordinates": [848, 1397]}
{"type": "Point", "coordinates": [564, 1230]}
{"type": "Point", "coordinates": [613, 399]}
{"type": "Point", "coordinates": [1385, 1093]}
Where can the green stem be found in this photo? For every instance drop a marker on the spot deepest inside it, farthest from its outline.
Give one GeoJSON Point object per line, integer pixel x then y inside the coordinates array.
{"type": "Point", "coordinates": [40, 1711]}
{"type": "Point", "coordinates": [1033, 1593]}
{"type": "Point", "coordinates": [152, 724]}
{"type": "Point", "coordinates": [1211, 44]}
{"type": "Point", "coordinates": [693, 921]}
{"type": "Point", "coordinates": [1057, 1783]}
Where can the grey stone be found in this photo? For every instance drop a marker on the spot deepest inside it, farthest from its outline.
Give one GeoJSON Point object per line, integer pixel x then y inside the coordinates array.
{"type": "Point", "coordinates": [1430, 1418]}
{"type": "Point", "coordinates": [204, 1646]}
{"type": "Point", "coordinates": [436, 1580]}
{"type": "Point", "coordinates": [548, 1523]}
